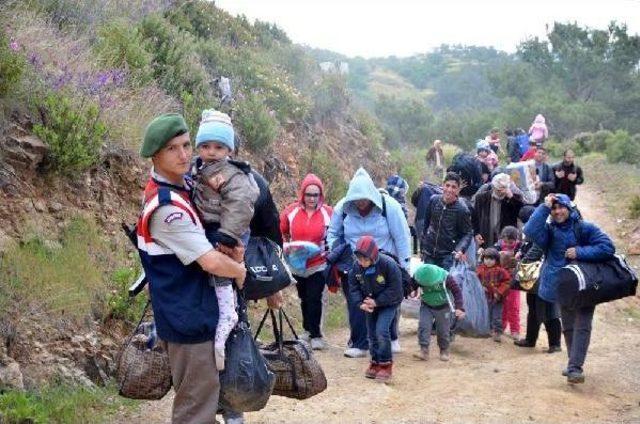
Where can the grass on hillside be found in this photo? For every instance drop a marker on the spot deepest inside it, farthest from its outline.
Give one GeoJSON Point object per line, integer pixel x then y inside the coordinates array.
{"type": "Point", "coordinates": [71, 277]}
{"type": "Point", "coordinates": [384, 81]}
{"type": "Point", "coordinates": [620, 184]}
{"type": "Point", "coordinates": [59, 403]}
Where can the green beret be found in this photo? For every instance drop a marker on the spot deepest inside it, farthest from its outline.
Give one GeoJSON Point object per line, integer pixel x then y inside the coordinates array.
{"type": "Point", "coordinates": [159, 131]}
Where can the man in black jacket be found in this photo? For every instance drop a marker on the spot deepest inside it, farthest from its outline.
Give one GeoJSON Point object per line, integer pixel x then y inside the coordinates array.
{"type": "Point", "coordinates": [568, 175]}
{"type": "Point", "coordinates": [447, 225]}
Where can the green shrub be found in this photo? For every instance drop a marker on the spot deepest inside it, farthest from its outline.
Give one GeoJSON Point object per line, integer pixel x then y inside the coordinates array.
{"type": "Point", "coordinates": [584, 140]}
{"type": "Point", "coordinates": [119, 45]}
{"type": "Point", "coordinates": [623, 148]}
{"type": "Point", "coordinates": [256, 124]}
{"type": "Point", "coordinates": [74, 133]}
{"type": "Point", "coordinates": [319, 162]}
{"type": "Point", "coordinates": [555, 147]}
{"type": "Point", "coordinates": [599, 141]}
{"type": "Point", "coordinates": [120, 305]}
{"type": "Point", "coordinates": [370, 128]}
{"type": "Point", "coordinates": [330, 97]}
{"type": "Point", "coordinates": [634, 207]}
{"type": "Point", "coordinates": [12, 66]}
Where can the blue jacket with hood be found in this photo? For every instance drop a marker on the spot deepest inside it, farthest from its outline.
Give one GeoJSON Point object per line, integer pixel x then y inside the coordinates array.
{"type": "Point", "coordinates": [591, 243]}
{"type": "Point", "coordinates": [391, 233]}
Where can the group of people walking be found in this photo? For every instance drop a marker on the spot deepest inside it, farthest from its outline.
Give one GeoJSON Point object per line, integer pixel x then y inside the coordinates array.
{"type": "Point", "coordinates": [197, 216]}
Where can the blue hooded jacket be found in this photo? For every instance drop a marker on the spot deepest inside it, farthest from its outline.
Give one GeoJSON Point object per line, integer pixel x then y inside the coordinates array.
{"type": "Point", "coordinates": [391, 233]}
{"type": "Point", "coordinates": [591, 243]}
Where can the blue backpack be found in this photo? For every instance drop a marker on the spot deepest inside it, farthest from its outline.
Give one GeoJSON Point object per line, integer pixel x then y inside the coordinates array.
{"type": "Point", "coordinates": [523, 143]}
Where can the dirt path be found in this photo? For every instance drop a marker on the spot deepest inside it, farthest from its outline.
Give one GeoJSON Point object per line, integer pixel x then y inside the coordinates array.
{"type": "Point", "coordinates": [484, 382]}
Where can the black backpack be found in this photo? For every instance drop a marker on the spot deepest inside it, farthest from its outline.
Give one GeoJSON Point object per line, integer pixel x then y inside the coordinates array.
{"type": "Point", "coordinates": [588, 284]}
{"type": "Point", "coordinates": [267, 272]}
{"type": "Point", "coordinates": [469, 169]}
{"type": "Point", "coordinates": [408, 283]}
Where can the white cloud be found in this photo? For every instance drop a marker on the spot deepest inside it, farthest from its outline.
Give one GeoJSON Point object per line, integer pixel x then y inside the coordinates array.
{"type": "Point", "coordinates": [405, 27]}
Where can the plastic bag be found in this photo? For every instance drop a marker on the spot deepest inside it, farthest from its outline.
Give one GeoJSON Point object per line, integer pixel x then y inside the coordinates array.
{"type": "Point", "coordinates": [297, 253]}
{"type": "Point", "coordinates": [246, 382]}
{"type": "Point", "coordinates": [476, 320]}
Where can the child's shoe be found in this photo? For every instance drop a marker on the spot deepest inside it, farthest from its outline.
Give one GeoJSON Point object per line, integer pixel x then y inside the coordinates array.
{"type": "Point", "coordinates": [497, 337]}
{"type": "Point", "coordinates": [423, 354]}
{"type": "Point", "coordinates": [372, 371]}
{"type": "Point", "coordinates": [218, 352]}
{"type": "Point", "coordinates": [384, 371]}
{"type": "Point", "coordinates": [444, 355]}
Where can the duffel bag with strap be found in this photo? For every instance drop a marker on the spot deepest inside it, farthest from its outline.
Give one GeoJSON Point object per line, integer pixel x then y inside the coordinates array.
{"type": "Point", "coordinates": [298, 373]}
{"type": "Point", "coordinates": [587, 284]}
{"type": "Point", "coordinates": [267, 272]}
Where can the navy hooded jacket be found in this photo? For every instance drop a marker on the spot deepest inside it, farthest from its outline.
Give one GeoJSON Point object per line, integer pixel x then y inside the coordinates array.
{"type": "Point", "coordinates": [591, 243]}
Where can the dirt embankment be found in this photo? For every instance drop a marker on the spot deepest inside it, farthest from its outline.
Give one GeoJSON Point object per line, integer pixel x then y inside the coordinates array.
{"type": "Point", "coordinates": [484, 382]}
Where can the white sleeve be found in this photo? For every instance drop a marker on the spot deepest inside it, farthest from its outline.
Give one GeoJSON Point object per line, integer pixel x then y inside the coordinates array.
{"type": "Point", "coordinates": [172, 228]}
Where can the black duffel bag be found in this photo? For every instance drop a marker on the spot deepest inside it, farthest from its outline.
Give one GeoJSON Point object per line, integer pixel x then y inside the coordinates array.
{"type": "Point", "coordinates": [588, 284]}
{"type": "Point", "coordinates": [267, 272]}
{"type": "Point", "coordinates": [246, 382]}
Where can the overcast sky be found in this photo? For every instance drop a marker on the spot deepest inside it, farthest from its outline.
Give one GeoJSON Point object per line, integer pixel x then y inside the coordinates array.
{"type": "Point", "coordinates": [372, 28]}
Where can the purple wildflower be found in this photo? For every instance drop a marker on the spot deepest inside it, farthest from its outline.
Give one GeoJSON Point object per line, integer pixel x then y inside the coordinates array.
{"type": "Point", "coordinates": [13, 45]}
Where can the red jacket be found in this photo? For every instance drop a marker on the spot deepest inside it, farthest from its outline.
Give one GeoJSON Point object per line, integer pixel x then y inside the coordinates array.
{"type": "Point", "coordinates": [297, 225]}
{"type": "Point", "coordinates": [496, 279]}
{"type": "Point", "coordinates": [529, 154]}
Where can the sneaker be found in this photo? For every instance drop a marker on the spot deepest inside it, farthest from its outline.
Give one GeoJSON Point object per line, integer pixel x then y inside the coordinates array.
{"type": "Point", "coordinates": [305, 337]}
{"type": "Point", "coordinates": [384, 372]}
{"type": "Point", "coordinates": [554, 349]}
{"type": "Point", "coordinates": [565, 372]}
{"type": "Point", "coordinates": [423, 355]}
{"type": "Point", "coordinates": [234, 420]}
{"type": "Point", "coordinates": [318, 343]}
{"type": "Point", "coordinates": [497, 337]}
{"type": "Point", "coordinates": [523, 343]}
{"type": "Point", "coordinates": [354, 352]}
{"type": "Point", "coordinates": [575, 377]}
{"type": "Point", "coordinates": [515, 336]}
{"type": "Point", "coordinates": [219, 356]}
{"type": "Point", "coordinates": [372, 370]}
{"type": "Point", "coordinates": [395, 346]}
{"type": "Point", "coordinates": [444, 355]}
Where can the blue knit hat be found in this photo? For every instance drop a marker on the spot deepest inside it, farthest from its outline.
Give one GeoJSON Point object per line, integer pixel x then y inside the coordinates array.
{"type": "Point", "coordinates": [215, 126]}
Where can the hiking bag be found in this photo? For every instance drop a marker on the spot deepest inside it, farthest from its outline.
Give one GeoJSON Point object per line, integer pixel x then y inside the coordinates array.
{"type": "Point", "coordinates": [298, 373]}
{"type": "Point", "coordinates": [587, 284]}
{"type": "Point", "coordinates": [267, 272]}
{"type": "Point", "coordinates": [246, 382]}
{"type": "Point", "coordinates": [143, 370]}
{"type": "Point", "coordinates": [468, 167]}
{"type": "Point", "coordinates": [476, 320]}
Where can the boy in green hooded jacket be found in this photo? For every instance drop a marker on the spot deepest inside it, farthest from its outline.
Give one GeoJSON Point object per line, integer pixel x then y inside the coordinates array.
{"type": "Point", "coordinates": [437, 287]}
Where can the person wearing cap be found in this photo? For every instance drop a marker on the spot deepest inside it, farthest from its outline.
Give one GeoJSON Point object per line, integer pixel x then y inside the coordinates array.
{"type": "Point", "coordinates": [438, 287]}
{"type": "Point", "coordinates": [566, 237]}
{"type": "Point", "coordinates": [224, 194]}
{"type": "Point", "coordinates": [375, 287]}
{"type": "Point", "coordinates": [364, 210]}
{"type": "Point", "coordinates": [178, 261]}
{"type": "Point", "coordinates": [494, 207]}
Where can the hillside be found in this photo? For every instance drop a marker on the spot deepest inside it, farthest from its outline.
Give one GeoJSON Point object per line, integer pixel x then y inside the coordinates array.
{"type": "Point", "coordinates": [80, 81]}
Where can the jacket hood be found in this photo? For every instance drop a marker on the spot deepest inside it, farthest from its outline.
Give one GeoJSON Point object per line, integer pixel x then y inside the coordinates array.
{"type": "Point", "coordinates": [539, 119]}
{"type": "Point", "coordinates": [362, 187]}
{"type": "Point", "coordinates": [311, 179]}
{"type": "Point", "coordinates": [565, 201]}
